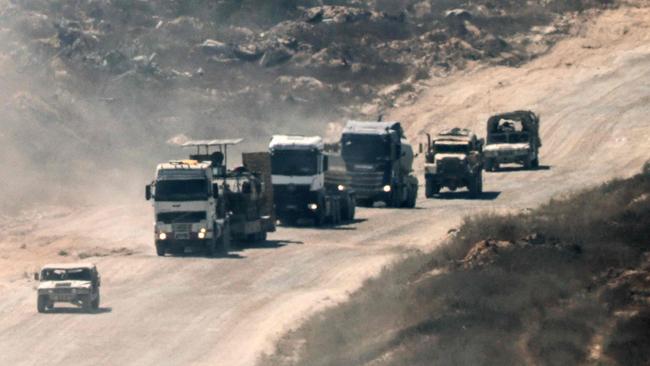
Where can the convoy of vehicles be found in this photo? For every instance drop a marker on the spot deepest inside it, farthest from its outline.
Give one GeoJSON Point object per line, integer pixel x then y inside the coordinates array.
{"type": "Point", "coordinates": [72, 283]}
{"type": "Point", "coordinates": [201, 205]}
{"type": "Point", "coordinates": [512, 138]}
{"type": "Point", "coordinates": [454, 160]}
{"type": "Point", "coordinates": [379, 163]}
{"type": "Point", "coordinates": [299, 166]}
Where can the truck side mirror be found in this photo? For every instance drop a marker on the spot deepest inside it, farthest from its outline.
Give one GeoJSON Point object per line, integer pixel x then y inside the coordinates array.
{"type": "Point", "coordinates": [36, 276]}
{"type": "Point", "coordinates": [215, 190]}
{"type": "Point", "coordinates": [147, 192]}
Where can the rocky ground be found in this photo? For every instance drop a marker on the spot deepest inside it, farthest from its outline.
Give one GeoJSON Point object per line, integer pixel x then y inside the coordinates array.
{"type": "Point", "coordinates": [112, 80]}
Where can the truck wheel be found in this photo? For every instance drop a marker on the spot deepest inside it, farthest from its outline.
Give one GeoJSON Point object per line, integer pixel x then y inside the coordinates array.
{"type": "Point", "coordinates": [473, 186]}
{"type": "Point", "coordinates": [211, 248]}
{"type": "Point", "coordinates": [160, 249]}
{"type": "Point", "coordinates": [535, 163]}
{"type": "Point", "coordinates": [489, 165]}
{"type": "Point", "coordinates": [41, 303]}
{"type": "Point", "coordinates": [95, 303]}
{"type": "Point", "coordinates": [430, 188]}
{"type": "Point", "coordinates": [480, 182]}
{"type": "Point", "coordinates": [412, 197]}
{"type": "Point", "coordinates": [224, 242]}
{"type": "Point", "coordinates": [395, 198]}
{"type": "Point", "coordinates": [86, 303]}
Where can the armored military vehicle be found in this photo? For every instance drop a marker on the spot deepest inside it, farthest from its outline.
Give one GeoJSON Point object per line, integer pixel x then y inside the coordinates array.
{"type": "Point", "coordinates": [74, 283]}
{"type": "Point", "coordinates": [453, 160]}
{"type": "Point", "coordinates": [512, 138]}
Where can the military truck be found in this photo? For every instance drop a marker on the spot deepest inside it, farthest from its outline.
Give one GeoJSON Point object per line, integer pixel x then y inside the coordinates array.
{"type": "Point", "coordinates": [512, 138]}
{"type": "Point", "coordinates": [453, 160]}
{"type": "Point", "coordinates": [73, 283]}
{"type": "Point", "coordinates": [201, 205]}
{"type": "Point", "coordinates": [299, 166]}
{"type": "Point", "coordinates": [379, 162]}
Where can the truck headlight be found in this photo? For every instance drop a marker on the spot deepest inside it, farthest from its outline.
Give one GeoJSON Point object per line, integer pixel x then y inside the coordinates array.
{"type": "Point", "coordinates": [201, 235]}
{"type": "Point", "coordinates": [203, 230]}
{"type": "Point", "coordinates": [312, 206]}
{"type": "Point", "coordinates": [387, 188]}
{"type": "Point", "coordinates": [341, 187]}
{"type": "Point", "coordinates": [162, 236]}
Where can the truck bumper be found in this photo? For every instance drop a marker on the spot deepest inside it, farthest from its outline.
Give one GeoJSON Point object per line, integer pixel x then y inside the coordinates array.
{"type": "Point", "coordinates": [450, 181]}
{"type": "Point", "coordinates": [174, 244]}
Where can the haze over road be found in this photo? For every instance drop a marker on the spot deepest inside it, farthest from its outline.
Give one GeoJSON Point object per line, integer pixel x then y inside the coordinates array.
{"type": "Point", "coordinates": [593, 94]}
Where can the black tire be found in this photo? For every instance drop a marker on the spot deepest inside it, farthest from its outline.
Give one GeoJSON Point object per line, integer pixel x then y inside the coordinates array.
{"type": "Point", "coordinates": [412, 198]}
{"type": "Point", "coordinates": [535, 163]}
{"type": "Point", "coordinates": [224, 241]}
{"type": "Point", "coordinates": [86, 303]}
{"type": "Point", "coordinates": [528, 163]}
{"type": "Point", "coordinates": [347, 207]}
{"type": "Point", "coordinates": [211, 248]}
{"type": "Point", "coordinates": [430, 188]}
{"type": "Point", "coordinates": [489, 165]}
{"type": "Point", "coordinates": [95, 303]}
{"type": "Point", "coordinates": [474, 186]}
{"type": "Point", "coordinates": [160, 249]}
{"type": "Point", "coordinates": [320, 218]}
{"type": "Point", "coordinates": [480, 182]}
{"type": "Point", "coordinates": [395, 200]}
{"type": "Point", "coordinates": [41, 303]}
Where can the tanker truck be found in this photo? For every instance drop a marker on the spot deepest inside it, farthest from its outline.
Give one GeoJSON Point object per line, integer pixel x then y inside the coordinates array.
{"type": "Point", "coordinates": [379, 163]}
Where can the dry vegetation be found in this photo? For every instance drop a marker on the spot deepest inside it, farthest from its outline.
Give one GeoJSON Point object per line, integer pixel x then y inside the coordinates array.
{"type": "Point", "coordinates": [567, 283]}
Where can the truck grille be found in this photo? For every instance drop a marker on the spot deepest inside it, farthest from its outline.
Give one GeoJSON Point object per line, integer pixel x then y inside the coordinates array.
{"type": "Point", "coordinates": [366, 182]}
{"type": "Point", "coordinates": [182, 231]}
{"type": "Point", "coordinates": [291, 195]}
{"type": "Point", "coordinates": [451, 167]}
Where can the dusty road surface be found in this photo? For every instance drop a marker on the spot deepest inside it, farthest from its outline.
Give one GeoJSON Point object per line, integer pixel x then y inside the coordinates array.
{"type": "Point", "coordinates": [593, 92]}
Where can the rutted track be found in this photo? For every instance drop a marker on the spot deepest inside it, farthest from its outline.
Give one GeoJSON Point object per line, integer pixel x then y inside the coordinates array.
{"type": "Point", "coordinates": [199, 311]}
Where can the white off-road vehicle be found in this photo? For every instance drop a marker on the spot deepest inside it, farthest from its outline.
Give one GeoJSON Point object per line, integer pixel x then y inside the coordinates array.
{"type": "Point", "coordinates": [74, 283]}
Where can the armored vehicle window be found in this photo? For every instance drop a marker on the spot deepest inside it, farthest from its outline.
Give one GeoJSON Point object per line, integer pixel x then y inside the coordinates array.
{"type": "Point", "coordinates": [80, 274]}
{"type": "Point", "coordinates": [294, 162]}
{"type": "Point", "coordinates": [451, 148]}
{"type": "Point", "coordinates": [182, 190]}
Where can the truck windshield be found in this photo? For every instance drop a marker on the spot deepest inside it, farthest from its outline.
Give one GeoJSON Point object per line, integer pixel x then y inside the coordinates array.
{"type": "Point", "coordinates": [365, 148]}
{"type": "Point", "coordinates": [182, 190]}
{"type": "Point", "coordinates": [294, 162]}
{"type": "Point", "coordinates": [78, 274]}
{"type": "Point", "coordinates": [451, 148]}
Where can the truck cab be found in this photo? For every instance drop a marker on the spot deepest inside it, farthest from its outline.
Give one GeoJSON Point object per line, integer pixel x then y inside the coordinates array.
{"type": "Point", "coordinates": [186, 203]}
{"type": "Point", "coordinates": [379, 162]}
{"type": "Point", "coordinates": [298, 167]}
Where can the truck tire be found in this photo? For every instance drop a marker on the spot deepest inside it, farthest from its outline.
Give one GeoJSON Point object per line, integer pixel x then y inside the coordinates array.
{"type": "Point", "coordinates": [347, 208]}
{"type": "Point", "coordinates": [489, 165]}
{"type": "Point", "coordinates": [321, 217]}
{"type": "Point", "coordinates": [480, 182]}
{"type": "Point", "coordinates": [474, 186]}
{"type": "Point", "coordinates": [535, 163]}
{"type": "Point", "coordinates": [430, 188]}
{"type": "Point", "coordinates": [395, 200]}
{"type": "Point", "coordinates": [41, 303]}
{"type": "Point", "coordinates": [365, 202]}
{"type": "Point", "coordinates": [86, 303]}
{"type": "Point", "coordinates": [95, 303]}
{"type": "Point", "coordinates": [224, 242]}
{"type": "Point", "coordinates": [412, 197]}
{"type": "Point", "coordinates": [160, 249]}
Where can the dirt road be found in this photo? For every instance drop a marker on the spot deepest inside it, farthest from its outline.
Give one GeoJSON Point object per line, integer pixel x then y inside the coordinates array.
{"type": "Point", "coordinates": [593, 92]}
